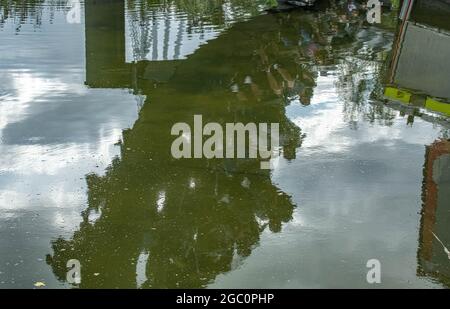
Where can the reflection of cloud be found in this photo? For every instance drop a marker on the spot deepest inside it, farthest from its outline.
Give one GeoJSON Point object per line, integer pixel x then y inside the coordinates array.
{"type": "Point", "coordinates": [326, 129]}
{"type": "Point", "coordinates": [52, 159]}
{"type": "Point", "coordinates": [10, 198]}
{"type": "Point", "coordinates": [49, 142]}
{"type": "Point", "coordinates": [54, 131]}
{"type": "Point", "coordinates": [25, 91]}
{"type": "Point", "coordinates": [358, 192]}
{"type": "Point", "coordinates": [53, 171]}
{"type": "Point", "coordinates": [25, 88]}
{"type": "Point", "coordinates": [321, 118]}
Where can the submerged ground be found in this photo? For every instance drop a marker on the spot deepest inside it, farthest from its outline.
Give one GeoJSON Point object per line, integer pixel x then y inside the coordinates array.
{"type": "Point", "coordinates": [86, 171]}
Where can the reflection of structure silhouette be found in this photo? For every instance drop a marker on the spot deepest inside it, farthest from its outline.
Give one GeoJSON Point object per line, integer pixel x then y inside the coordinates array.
{"type": "Point", "coordinates": [420, 67]}
{"type": "Point", "coordinates": [175, 223]}
{"type": "Point", "coordinates": [433, 260]}
{"type": "Point", "coordinates": [179, 223]}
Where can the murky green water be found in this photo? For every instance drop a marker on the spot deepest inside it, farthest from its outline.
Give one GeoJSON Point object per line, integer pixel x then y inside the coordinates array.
{"type": "Point", "coordinates": [86, 171]}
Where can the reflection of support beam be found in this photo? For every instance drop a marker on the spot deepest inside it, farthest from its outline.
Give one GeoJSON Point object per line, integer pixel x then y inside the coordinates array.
{"type": "Point", "coordinates": [105, 44]}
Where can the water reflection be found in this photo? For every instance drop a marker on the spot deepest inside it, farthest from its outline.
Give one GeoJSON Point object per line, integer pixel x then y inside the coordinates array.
{"type": "Point", "coordinates": [165, 223]}
{"type": "Point", "coordinates": [170, 30]}
{"type": "Point", "coordinates": [151, 221]}
{"type": "Point", "coordinates": [53, 131]}
{"type": "Point", "coordinates": [35, 12]}
{"type": "Point", "coordinates": [179, 223]}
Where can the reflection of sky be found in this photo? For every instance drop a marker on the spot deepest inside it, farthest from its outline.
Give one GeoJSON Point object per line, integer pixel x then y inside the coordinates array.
{"type": "Point", "coordinates": [50, 121]}
{"type": "Point", "coordinates": [53, 131]}
{"type": "Point", "coordinates": [358, 194]}
{"type": "Point", "coordinates": [324, 124]}
{"type": "Point", "coordinates": [357, 191]}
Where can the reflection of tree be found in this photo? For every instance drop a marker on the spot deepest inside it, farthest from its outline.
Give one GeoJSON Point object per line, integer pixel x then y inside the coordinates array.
{"type": "Point", "coordinates": [193, 223]}
{"type": "Point", "coordinates": [198, 12]}
{"type": "Point", "coordinates": [358, 83]}
{"type": "Point", "coordinates": [361, 73]}
{"type": "Point", "coordinates": [28, 11]}
{"type": "Point", "coordinates": [20, 10]}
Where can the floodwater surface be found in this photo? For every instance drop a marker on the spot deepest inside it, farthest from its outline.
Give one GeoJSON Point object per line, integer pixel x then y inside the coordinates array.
{"type": "Point", "coordinates": [86, 171]}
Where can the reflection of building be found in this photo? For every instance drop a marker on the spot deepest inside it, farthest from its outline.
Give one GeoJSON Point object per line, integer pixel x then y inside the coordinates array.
{"type": "Point", "coordinates": [433, 260]}
{"type": "Point", "coordinates": [420, 70]}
